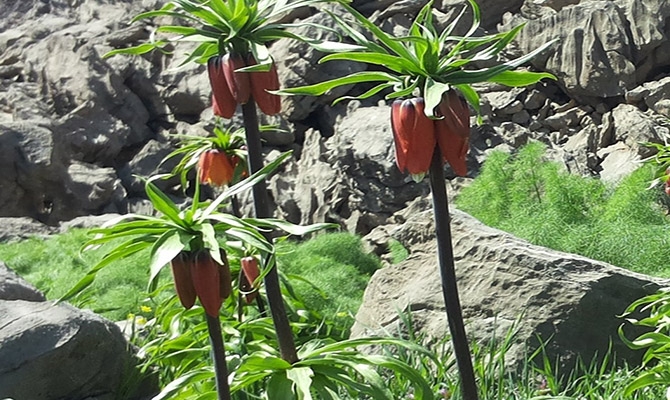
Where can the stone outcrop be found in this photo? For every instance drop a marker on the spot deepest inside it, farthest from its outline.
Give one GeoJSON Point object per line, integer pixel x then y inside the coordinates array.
{"type": "Point", "coordinates": [604, 48]}
{"type": "Point", "coordinates": [59, 352]}
{"type": "Point", "coordinates": [13, 287]}
{"type": "Point", "coordinates": [570, 301]}
{"type": "Point", "coordinates": [55, 351]}
{"type": "Point", "coordinates": [76, 128]}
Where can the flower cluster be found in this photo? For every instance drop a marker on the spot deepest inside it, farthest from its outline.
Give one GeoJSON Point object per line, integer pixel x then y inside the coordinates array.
{"type": "Point", "coordinates": [198, 274]}
{"type": "Point", "coordinates": [231, 87]}
{"type": "Point", "coordinates": [416, 136]}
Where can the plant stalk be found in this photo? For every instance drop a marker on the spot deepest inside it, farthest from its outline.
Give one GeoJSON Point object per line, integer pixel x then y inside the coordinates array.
{"type": "Point", "coordinates": [262, 208]}
{"type": "Point", "coordinates": [445, 255]}
{"type": "Point", "coordinates": [219, 352]}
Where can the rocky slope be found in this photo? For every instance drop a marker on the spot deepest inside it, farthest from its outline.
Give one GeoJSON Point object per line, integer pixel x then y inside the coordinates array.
{"type": "Point", "coordinates": [75, 128]}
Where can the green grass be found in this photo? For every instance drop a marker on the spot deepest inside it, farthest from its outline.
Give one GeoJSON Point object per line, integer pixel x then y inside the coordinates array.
{"type": "Point", "coordinates": [336, 264]}
{"type": "Point", "coordinates": [54, 265]}
{"type": "Point", "coordinates": [537, 200]}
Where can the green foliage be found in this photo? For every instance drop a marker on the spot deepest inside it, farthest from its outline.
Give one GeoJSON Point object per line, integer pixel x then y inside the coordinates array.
{"type": "Point", "coordinates": [397, 251]}
{"type": "Point", "coordinates": [537, 200]}
{"type": "Point", "coordinates": [426, 59]}
{"type": "Point", "coordinates": [656, 343]}
{"type": "Point", "coordinates": [223, 26]}
{"type": "Point", "coordinates": [54, 263]}
{"type": "Point", "coordinates": [336, 270]}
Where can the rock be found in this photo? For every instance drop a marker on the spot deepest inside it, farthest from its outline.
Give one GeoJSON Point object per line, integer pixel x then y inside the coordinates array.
{"type": "Point", "coordinates": [86, 222]}
{"type": "Point", "coordinates": [569, 300]}
{"type": "Point", "coordinates": [62, 352]}
{"type": "Point", "coordinates": [19, 228]}
{"type": "Point", "coordinates": [619, 161]}
{"type": "Point", "coordinates": [513, 133]}
{"type": "Point", "coordinates": [32, 176]}
{"type": "Point", "coordinates": [565, 119]}
{"type": "Point", "coordinates": [653, 94]}
{"type": "Point", "coordinates": [534, 100]}
{"type": "Point", "coordinates": [297, 65]}
{"type": "Point", "coordinates": [594, 54]}
{"type": "Point", "coordinates": [491, 10]}
{"type": "Point", "coordinates": [632, 126]}
{"type": "Point", "coordinates": [146, 163]}
{"type": "Point", "coordinates": [13, 287]}
{"type": "Point", "coordinates": [96, 189]}
{"type": "Point", "coordinates": [501, 101]}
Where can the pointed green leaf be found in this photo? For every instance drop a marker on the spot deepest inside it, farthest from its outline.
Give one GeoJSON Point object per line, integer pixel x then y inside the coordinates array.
{"type": "Point", "coordinates": [319, 89]}
{"type": "Point", "coordinates": [302, 378]}
{"type": "Point", "coordinates": [164, 250]}
{"type": "Point", "coordinates": [520, 78]}
{"type": "Point", "coordinates": [432, 93]}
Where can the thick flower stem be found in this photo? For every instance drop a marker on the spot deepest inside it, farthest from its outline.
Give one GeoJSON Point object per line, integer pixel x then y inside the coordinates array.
{"type": "Point", "coordinates": [219, 352]}
{"type": "Point", "coordinates": [445, 255]}
{"type": "Point", "coordinates": [262, 209]}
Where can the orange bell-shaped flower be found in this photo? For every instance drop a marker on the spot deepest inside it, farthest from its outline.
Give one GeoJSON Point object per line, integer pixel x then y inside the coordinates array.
{"type": "Point", "coordinates": [453, 131]}
{"type": "Point", "coordinates": [413, 135]}
{"type": "Point", "coordinates": [215, 168]}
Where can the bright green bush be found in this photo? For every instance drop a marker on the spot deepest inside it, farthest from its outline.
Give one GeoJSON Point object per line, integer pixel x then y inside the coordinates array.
{"type": "Point", "coordinates": [539, 201]}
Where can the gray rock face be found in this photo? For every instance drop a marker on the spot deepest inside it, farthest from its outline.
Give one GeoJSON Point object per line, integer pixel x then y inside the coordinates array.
{"type": "Point", "coordinates": [350, 177]}
{"type": "Point", "coordinates": [13, 287]}
{"type": "Point", "coordinates": [570, 299]}
{"type": "Point", "coordinates": [596, 55]}
{"type": "Point", "coordinates": [59, 352]}
{"type": "Point", "coordinates": [297, 65]}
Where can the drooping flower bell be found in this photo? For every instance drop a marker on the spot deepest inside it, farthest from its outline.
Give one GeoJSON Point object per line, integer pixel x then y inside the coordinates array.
{"type": "Point", "coordinates": [250, 272]}
{"type": "Point", "coordinates": [223, 103]}
{"type": "Point", "coordinates": [413, 135]}
{"type": "Point", "coordinates": [199, 275]}
{"type": "Point", "coordinates": [206, 274]}
{"type": "Point", "coordinates": [238, 82]}
{"type": "Point", "coordinates": [215, 168]}
{"type": "Point", "coordinates": [261, 83]}
{"type": "Point", "coordinates": [453, 131]}
{"type": "Point", "coordinates": [183, 282]}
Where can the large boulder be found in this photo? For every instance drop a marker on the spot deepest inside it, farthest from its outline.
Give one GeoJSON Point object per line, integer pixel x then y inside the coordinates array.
{"type": "Point", "coordinates": [53, 352]}
{"type": "Point", "coordinates": [570, 301]}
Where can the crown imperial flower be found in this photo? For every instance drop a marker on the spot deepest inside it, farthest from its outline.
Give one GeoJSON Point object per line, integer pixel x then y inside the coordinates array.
{"type": "Point", "coordinates": [216, 168]}
{"type": "Point", "coordinates": [414, 136]}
